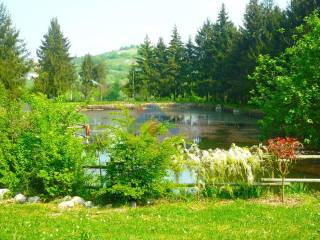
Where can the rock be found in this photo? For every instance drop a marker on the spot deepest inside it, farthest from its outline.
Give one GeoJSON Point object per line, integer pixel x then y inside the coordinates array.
{"type": "Point", "coordinates": [34, 199]}
{"type": "Point", "coordinates": [66, 204]}
{"type": "Point", "coordinates": [88, 204]}
{"type": "Point", "coordinates": [193, 190]}
{"type": "Point", "coordinates": [67, 198]}
{"type": "Point", "coordinates": [20, 198]}
{"type": "Point", "coordinates": [70, 202]}
{"type": "Point", "coordinates": [78, 201]}
{"type": "Point", "coordinates": [4, 193]}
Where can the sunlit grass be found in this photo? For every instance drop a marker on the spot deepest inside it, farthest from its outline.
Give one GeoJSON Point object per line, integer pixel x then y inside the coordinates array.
{"type": "Point", "coordinates": [193, 220]}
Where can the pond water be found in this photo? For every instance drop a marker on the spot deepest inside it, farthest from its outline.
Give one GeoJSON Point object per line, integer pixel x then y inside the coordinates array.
{"type": "Point", "coordinates": [208, 128]}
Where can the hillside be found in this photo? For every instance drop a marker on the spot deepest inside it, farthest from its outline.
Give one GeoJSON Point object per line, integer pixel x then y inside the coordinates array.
{"type": "Point", "coordinates": [118, 63]}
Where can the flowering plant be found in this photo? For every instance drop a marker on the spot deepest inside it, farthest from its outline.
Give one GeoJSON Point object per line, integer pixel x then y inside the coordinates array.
{"type": "Point", "coordinates": [284, 151]}
{"type": "Point", "coordinates": [284, 148]}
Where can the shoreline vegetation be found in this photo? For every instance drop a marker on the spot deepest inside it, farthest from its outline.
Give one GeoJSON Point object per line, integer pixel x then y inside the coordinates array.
{"type": "Point", "coordinates": [103, 106]}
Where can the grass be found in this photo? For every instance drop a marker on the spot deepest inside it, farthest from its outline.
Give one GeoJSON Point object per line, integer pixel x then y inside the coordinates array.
{"type": "Point", "coordinates": [117, 62]}
{"type": "Point", "coordinates": [184, 220]}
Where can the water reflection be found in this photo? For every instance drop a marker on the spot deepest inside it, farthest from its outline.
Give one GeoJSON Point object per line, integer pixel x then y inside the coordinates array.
{"type": "Point", "coordinates": [212, 129]}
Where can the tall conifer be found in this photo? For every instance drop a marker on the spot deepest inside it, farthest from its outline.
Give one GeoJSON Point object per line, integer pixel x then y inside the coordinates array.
{"type": "Point", "coordinates": [56, 72]}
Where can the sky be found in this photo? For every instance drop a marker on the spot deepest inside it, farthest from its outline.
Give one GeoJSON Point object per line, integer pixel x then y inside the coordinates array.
{"type": "Point", "coordinates": [98, 26]}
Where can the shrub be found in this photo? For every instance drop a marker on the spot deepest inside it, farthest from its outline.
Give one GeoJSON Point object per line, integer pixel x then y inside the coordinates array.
{"type": "Point", "coordinates": [39, 153]}
{"type": "Point", "coordinates": [139, 160]}
{"type": "Point", "coordinates": [237, 165]}
{"type": "Point", "coordinates": [284, 151]}
{"type": "Point", "coordinates": [288, 91]}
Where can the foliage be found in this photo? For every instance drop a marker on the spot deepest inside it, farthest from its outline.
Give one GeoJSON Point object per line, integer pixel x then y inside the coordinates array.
{"type": "Point", "coordinates": [87, 76]}
{"type": "Point", "coordinates": [117, 63]}
{"type": "Point", "coordinates": [40, 154]}
{"type": "Point", "coordinates": [234, 192]}
{"type": "Point", "coordinates": [138, 159]}
{"type": "Point", "coordinates": [13, 55]}
{"type": "Point", "coordinates": [288, 90]}
{"type": "Point", "coordinates": [214, 66]}
{"type": "Point", "coordinates": [175, 63]}
{"type": "Point", "coordinates": [284, 150]}
{"type": "Point", "coordinates": [56, 71]}
{"type": "Point", "coordinates": [235, 166]}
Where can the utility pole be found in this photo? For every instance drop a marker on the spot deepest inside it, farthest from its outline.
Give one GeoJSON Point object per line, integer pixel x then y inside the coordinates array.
{"type": "Point", "coordinates": [133, 82]}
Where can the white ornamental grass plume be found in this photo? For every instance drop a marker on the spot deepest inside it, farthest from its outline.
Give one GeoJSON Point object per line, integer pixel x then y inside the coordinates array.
{"type": "Point", "coordinates": [237, 165]}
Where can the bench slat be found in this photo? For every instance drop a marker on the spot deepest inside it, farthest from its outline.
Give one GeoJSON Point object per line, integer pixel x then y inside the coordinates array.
{"type": "Point", "coordinates": [301, 180]}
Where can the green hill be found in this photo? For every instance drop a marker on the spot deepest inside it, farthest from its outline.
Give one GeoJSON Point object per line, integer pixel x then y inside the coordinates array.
{"type": "Point", "coordinates": [118, 63]}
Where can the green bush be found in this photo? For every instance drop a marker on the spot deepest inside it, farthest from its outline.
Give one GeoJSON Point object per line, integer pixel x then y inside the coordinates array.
{"type": "Point", "coordinates": [39, 152]}
{"type": "Point", "coordinates": [139, 160]}
{"type": "Point", "coordinates": [288, 89]}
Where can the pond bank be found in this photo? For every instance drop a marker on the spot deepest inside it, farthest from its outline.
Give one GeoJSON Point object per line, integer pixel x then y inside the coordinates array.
{"type": "Point", "coordinates": [254, 113]}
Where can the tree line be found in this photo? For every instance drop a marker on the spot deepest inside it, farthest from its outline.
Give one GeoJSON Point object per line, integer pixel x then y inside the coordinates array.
{"type": "Point", "coordinates": [215, 65]}
{"type": "Point", "coordinates": [56, 74]}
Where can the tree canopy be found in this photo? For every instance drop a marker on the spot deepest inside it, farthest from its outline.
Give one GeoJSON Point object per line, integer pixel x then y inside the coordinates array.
{"type": "Point", "coordinates": [14, 64]}
{"type": "Point", "coordinates": [56, 71]}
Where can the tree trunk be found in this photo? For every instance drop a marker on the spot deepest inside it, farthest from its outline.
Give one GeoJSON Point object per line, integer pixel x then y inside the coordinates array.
{"type": "Point", "coordinates": [282, 192]}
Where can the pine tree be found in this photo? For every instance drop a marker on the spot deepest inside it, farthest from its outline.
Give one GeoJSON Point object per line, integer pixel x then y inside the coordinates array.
{"type": "Point", "coordinates": [57, 73]}
{"type": "Point", "coordinates": [145, 80]}
{"type": "Point", "coordinates": [205, 59]}
{"type": "Point", "coordinates": [225, 36]}
{"type": "Point", "coordinates": [87, 76]}
{"type": "Point", "coordinates": [14, 64]}
{"type": "Point", "coordinates": [261, 34]}
{"type": "Point", "coordinates": [175, 61]}
{"type": "Point", "coordinates": [161, 65]}
{"type": "Point", "coordinates": [295, 14]}
{"type": "Point", "coordinates": [188, 69]}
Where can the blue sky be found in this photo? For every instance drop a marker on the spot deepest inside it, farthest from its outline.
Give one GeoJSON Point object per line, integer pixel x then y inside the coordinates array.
{"type": "Point", "coordinates": [97, 26]}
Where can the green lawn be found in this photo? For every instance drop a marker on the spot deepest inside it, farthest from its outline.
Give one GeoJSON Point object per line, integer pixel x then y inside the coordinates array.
{"type": "Point", "coordinates": [195, 220]}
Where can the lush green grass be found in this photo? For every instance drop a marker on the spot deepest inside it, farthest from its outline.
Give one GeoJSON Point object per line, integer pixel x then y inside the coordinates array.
{"type": "Point", "coordinates": [195, 220]}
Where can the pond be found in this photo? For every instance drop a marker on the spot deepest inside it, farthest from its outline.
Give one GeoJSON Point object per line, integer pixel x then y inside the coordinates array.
{"type": "Point", "coordinates": [208, 128]}
{"type": "Point", "coordinates": [211, 129]}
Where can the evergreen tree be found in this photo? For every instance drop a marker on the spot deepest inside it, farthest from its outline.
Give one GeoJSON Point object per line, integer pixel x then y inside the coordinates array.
{"type": "Point", "coordinates": [14, 64]}
{"type": "Point", "coordinates": [144, 81]}
{"type": "Point", "coordinates": [261, 35]}
{"type": "Point", "coordinates": [225, 36]}
{"type": "Point", "coordinates": [130, 88]}
{"type": "Point", "coordinates": [161, 65]}
{"type": "Point", "coordinates": [295, 14]}
{"type": "Point", "coordinates": [188, 69]}
{"type": "Point", "coordinates": [87, 76]}
{"type": "Point", "coordinates": [56, 73]}
{"type": "Point", "coordinates": [205, 59]}
{"type": "Point", "coordinates": [175, 61]}
{"type": "Point", "coordinates": [100, 76]}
